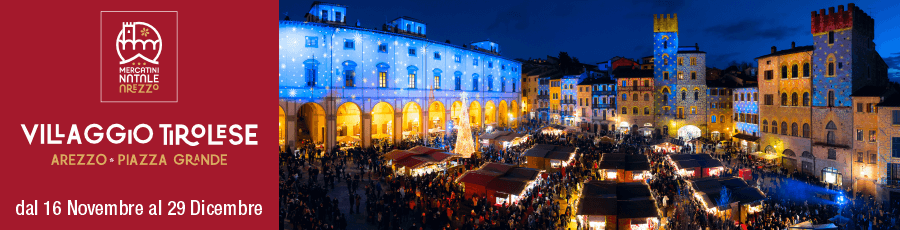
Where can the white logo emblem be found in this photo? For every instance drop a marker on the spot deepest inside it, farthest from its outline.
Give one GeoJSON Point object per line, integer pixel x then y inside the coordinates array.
{"type": "Point", "coordinates": [129, 34]}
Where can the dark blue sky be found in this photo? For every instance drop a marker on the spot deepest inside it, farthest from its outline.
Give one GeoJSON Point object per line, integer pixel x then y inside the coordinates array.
{"type": "Point", "coordinates": [594, 31]}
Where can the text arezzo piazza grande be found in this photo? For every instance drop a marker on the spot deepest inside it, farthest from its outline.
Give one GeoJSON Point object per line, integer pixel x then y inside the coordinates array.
{"type": "Point", "coordinates": [173, 134]}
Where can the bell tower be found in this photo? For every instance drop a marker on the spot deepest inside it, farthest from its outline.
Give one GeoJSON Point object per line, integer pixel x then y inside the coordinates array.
{"type": "Point", "coordinates": [665, 50]}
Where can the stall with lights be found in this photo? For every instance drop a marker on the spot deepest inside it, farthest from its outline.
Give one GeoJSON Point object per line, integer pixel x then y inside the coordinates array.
{"type": "Point", "coordinates": [696, 165]}
{"type": "Point", "coordinates": [610, 205]}
{"type": "Point", "coordinates": [729, 197]}
{"type": "Point", "coordinates": [503, 139]}
{"type": "Point", "coordinates": [549, 157]}
{"type": "Point", "coordinates": [667, 147]}
{"type": "Point", "coordinates": [624, 167]}
{"type": "Point", "coordinates": [419, 160]}
{"type": "Point", "coordinates": [554, 129]}
{"type": "Point", "coordinates": [503, 184]}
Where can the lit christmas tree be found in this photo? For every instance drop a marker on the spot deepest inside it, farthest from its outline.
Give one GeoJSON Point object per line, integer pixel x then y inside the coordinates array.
{"type": "Point", "coordinates": [465, 145]}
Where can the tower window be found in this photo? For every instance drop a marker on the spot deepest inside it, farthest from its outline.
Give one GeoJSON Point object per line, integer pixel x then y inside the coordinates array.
{"type": "Point", "coordinates": [830, 37]}
{"type": "Point", "coordinates": [665, 75]}
{"type": "Point", "coordinates": [693, 75]}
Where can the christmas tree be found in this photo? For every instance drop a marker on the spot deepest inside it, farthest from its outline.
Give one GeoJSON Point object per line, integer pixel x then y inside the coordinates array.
{"type": "Point", "coordinates": [465, 146]}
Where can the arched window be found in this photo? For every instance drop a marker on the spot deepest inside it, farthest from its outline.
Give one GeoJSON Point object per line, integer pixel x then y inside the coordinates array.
{"type": "Point", "coordinates": [665, 96]}
{"type": "Point", "coordinates": [775, 127]}
{"type": "Point", "coordinates": [805, 98]}
{"type": "Point", "coordinates": [624, 110]}
{"type": "Point", "coordinates": [635, 97]}
{"type": "Point", "coordinates": [784, 128]}
{"type": "Point", "coordinates": [784, 99]}
{"type": "Point", "coordinates": [829, 137]}
{"type": "Point", "coordinates": [665, 45]}
{"type": "Point", "coordinates": [634, 110]}
{"type": "Point", "coordinates": [830, 98]}
{"type": "Point", "coordinates": [312, 70]}
{"type": "Point", "coordinates": [805, 69]}
{"type": "Point", "coordinates": [794, 129]}
{"type": "Point", "coordinates": [794, 73]}
{"type": "Point", "coordinates": [806, 130]}
{"type": "Point", "coordinates": [794, 99]}
{"type": "Point", "coordinates": [475, 82]}
{"type": "Point", "coordinates": [696, 95]}
{"type": "Point", "coordinates": [765, 127]}
{"type": "Point", "coordinates": [457, 80]}
{"type": "Point", "coordinates": [683, 95]}
{"type": "Point", "coordinates": [712, 119]}
{"type": "Point", "coordinates": [624, 97]}
{"type": "Point", "coordinates": [646, 111]}
{"type": "Point", "coordinates": [437, 78]}
{"type": "Point", "coordinates": [502, 84]}
{"type": "Point", "coordinates": [830, 67]}
{"type": "Point", "coordinates": [490, 82]}
{"type": "Point", "coordinates": [646, 97]}
{"type": "Point", "coordinates": [411, 70]}
{"type": "Point", "coordinates": [349, 73]}
{"type": "Point", "coordinates": [784, 72]}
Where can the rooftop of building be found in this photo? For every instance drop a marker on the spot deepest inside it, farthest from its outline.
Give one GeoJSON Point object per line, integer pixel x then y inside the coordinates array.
{"type": "Point", "coordinates": [502, 178]}
{"type": "Point", "coordinates": [710, 189]}
{"type": "Point", "coordinates": [555, 152]}
{"type": "Point", "coordinates": [695, 160]}
{"type": "Point", "coordinates": [623, 200]}
{"type": "Point", "coordinates": [797, 49]}
{"type": "Point", "coordinates": [627, 162]}
{"type": "Point", "coordinates": [409, 18]}
{"type": "Point", "coordinates": [870, 91]}
{"type": "Point", "coordinates": [597, 81]}
{"type": "Point", "coordinates": [890, 101]}
{"type": "Point", "coordinates": [631, 72]}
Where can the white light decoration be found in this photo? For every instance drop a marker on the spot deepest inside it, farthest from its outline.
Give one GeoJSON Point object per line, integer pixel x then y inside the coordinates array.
{"type": "Point", "coordinates": [465, 145]}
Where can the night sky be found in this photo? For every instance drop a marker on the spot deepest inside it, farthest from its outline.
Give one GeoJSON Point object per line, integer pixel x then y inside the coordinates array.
{"type": "Point", "coordinates": [595, 31]}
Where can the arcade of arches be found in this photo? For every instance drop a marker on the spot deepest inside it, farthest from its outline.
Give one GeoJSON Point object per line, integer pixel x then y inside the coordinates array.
{"type": "Point", "coordinates": [352, 123]}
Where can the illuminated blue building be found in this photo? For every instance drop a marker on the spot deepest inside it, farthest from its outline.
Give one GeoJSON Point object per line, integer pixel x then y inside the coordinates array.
{"type": "Point", "coordinates": [680, 82]}
{"type": "Point", "coordinates": [344, 83]}
{"type": "Point", "coordinates": [746, 115]}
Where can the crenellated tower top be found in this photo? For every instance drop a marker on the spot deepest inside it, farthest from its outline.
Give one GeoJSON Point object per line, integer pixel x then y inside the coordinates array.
{"type": "Point", "coordinates": [665, 23]}
{"type": "Point", "coordinates": [853, 17]}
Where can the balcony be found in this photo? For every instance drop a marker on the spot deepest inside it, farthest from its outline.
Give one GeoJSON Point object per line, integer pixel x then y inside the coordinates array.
{"type": "Point", "coordinates": [636, 88]}
{"type": "Point", "coordinates": [892, 183]}
{"type": "Point", "coordinates": [603, 106]}
{"type": "Point", "coordinates": [607, 92]}
{"type": "Point", "coordinates": [564, 101]}
{"type": "Point", "coordinates": [545, 97]}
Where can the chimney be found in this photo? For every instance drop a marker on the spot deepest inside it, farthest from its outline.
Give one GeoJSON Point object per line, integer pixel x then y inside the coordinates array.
{"type": "Point", "coordinates": [773, 49]}
{"type": "Point", "coordinates": [793, 45]}
{"type": "Point", "coordinates": [697, 45]}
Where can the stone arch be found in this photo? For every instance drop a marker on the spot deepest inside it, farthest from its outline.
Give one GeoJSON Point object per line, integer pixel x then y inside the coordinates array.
{"type": "Point", "coordinates": [514, 109]}
{"type": "Point", "coordinates": [475, 114]}
{"type": "Point", "coordinates": [490, 111]}
{"type": "Point", "coordinates": [282, 127]}
{"type": "Point", "coordinates": [504, 116]}
{"type": "Point", "coordinates": [311, 123]}
{"type": "Point", "coordinates": [382, 120]}
{"type": "Point", "coordinates": [348, 123]}
{"type": "Point", "coordinates": [455, 109]}
{"type": "Point", "coordinates": [437, 116]}
{"type": "Point", "coordinates": [411, 123]}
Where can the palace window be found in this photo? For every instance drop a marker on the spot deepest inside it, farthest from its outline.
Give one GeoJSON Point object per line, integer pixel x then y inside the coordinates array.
{"type": "Point", "coordinates": [475, 61]}
{"type": "Point", "coordinates": [805, 69]}
{"type": "Point", "coordinates": [646, 97]}
{"type": "Point", "coordinates": [382, 48]}
{"type": "Point", "coordinates": [830, 98]}
{"type": "Point", "coordinates": [872, 134]}
{"type": "Point", "coordinates": [859, 135]}
{"type": "Point", "coordinates": [765, 127]}
{"type": "Point", "coordinates": [666, 75]}
{"type": "Point", "coordinates": [775, 127]}
{"type": "Point", "coordinates": [490, 64]}
{"type": "Point", "coordinates": [794, 130]}
{"type": "Point", "coordinates": [457, 80]}
{"type": "Point", "coordinates": [412, 51]}
{"type": "Point", "coordinates": [490, 83]}
{"type": "Point", "coordinates": [503, 84]}
{"type": "Point", "coordinates": [829, 138]}
{"type": "Point", "coordinates": [349, 44]}
{"type": "Point", "coordinates": [646, 111]}
{"type": "Point", "coordinates": [784, 72]}
{"type": "Point", "coordinates": [624, 110]}
{"type": "Point", "coordinates": [475, 83]}
{"type": "Point", "coordinates": [784, 99]}
{"type": "Point", "coordinates": [437, 79]}
{"type": "Point", "coordinates": [713, 119]}
{"type": "Point", "coordinates": [680, 75]}
{"type": "Point", "coordinates": [312, 41]}
{"type": "Point", "coordinates": [793, 99]}
{"type": "Point", "coordinates": [680, 61]}
{"type": "Point", "coordinates": [437, 56]}
{"type": "Point", "coordinates": [634, 110]}
{"type": "Point", "coordinates": [683, 95]}
{"type": "Point", "coordinates": [349, 77]}
{"type": "Point", "coordinates": [382, 79]}
{"type": "Point", "coordinates": [693, 61]}
{"type": "Point", "coordinates": [693, 75]}
{"type": "Point", "coordinates": [696, 95]}
{"type": "Point", "coordinates": [806, 130]}
{"type": "Point", "coordinates": [830, 37]}
{"type": "Point", "coordinates": [457, 58]}
{"type": "Point", "coordinates": [769, 75]}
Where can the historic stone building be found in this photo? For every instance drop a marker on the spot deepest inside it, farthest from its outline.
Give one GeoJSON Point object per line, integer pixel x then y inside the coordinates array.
{"type": "Point", "coordinates": [345, 83]}
{"type": "Point", "coordinates": [635, 89]}
{"type": "Point", "coordinates": [886, 171]}
{"type": "Point", "coordinates": [680, 82]}
{"type": "Point", "coordinates": [844, 60]}
{"type": "Point", "coordinates": [784, 106]}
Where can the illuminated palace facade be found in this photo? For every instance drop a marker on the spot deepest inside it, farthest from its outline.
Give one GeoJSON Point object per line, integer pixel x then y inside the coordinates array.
{"type": "Point", "coordinates": [344, 83]}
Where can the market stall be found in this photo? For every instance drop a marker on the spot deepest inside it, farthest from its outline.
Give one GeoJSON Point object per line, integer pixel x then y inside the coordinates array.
{"type": "Point", "coordinates": [611, 205]}
{"type": "Point", "coordinates": [501, 183]}
{"type": "Point", "coordinates": [419, 160]}
{"type": "Point", "coordinates": [696, 165]}
{"type": "Point", "coordinates": [502, 139]}
{"type": "Point", "coordinates": [730, 197]}
{"type": "Point", "coordinates": [624, 167]}
{"type": "Point", "coordinates": [549, 157]}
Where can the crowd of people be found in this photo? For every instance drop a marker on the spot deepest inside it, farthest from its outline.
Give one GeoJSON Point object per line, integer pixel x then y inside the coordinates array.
{"type": "Point", "coordinates": [352, 186]}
